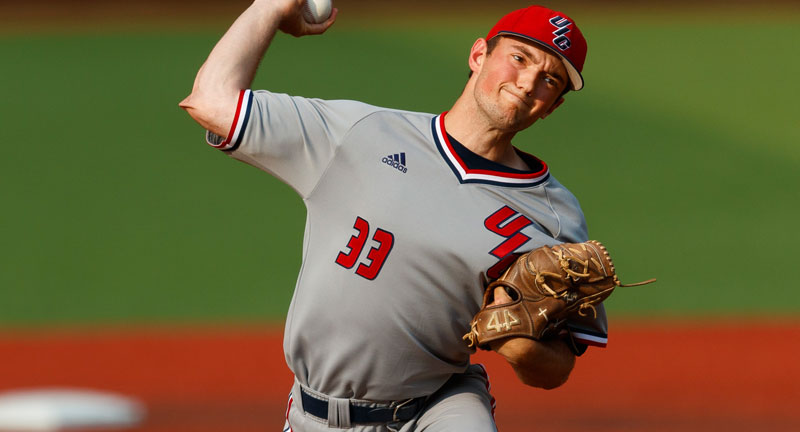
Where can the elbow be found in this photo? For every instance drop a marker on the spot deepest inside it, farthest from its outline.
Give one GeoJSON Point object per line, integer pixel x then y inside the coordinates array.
{"type": "Point", "coordinates": [547, 378]}
{"type": "Point", "coordinates": [195, 107]}
{"type": "Point", "coordinates": [542, 364]}
{"type": "Point", "coordinates": [545, 381]}
{"type": "Point", "coordinates": [548, 383]}
{"type": "Point", "coordinates": [206, 111]}
{"type": "Point", "coordinates": [186, 103]}
{"type": "Point", "coordinates": [190, 105]}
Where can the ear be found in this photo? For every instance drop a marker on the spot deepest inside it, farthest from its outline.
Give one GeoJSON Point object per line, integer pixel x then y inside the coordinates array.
{"type": "Point", "coordinates": [477, 55]}
{"type": "Point", "coordinates": [553, 107]}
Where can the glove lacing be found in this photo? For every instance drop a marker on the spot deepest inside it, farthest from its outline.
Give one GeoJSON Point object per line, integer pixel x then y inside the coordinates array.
{"type": "Point", "coordinates": [472, 336]}
{"type": "Point", "coordinates": [565, 262]}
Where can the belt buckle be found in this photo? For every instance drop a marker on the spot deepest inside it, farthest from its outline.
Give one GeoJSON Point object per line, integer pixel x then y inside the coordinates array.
{"type": "Point", "coordinates": [398, 406]}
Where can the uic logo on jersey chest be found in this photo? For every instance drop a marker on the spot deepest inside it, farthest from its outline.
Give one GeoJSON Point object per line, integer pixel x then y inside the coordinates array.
{"type": "Point", "coordinates": [397, 161]}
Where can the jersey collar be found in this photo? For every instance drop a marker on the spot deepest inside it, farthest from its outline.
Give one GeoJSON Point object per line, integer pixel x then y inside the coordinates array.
{"type": "Point", "coordinates": [467, 175]}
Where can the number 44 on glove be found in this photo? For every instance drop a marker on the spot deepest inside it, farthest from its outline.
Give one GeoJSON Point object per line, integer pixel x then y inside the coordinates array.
{"type": "Point", "coordinates": [547, 286]}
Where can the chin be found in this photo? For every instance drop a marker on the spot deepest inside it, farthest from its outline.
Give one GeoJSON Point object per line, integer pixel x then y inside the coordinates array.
{"type": "Point", "coordinates": [516, 122]}
{"type": "Point", "coordinates": [517, 118]}
{"type": "Point", "coordinates": [506, 115]}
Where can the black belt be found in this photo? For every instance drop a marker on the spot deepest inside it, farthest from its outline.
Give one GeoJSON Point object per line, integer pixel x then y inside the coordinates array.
{"type": "Point", "coordinates": [397, 411]}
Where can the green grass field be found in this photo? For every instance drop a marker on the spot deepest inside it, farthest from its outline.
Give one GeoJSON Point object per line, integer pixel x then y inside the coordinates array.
{"type": "Point", "coordinates": [682, 149]}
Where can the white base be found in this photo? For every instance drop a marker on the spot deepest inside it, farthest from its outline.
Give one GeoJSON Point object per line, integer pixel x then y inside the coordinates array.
{"type": "Point", "coordinates": [57, 409]}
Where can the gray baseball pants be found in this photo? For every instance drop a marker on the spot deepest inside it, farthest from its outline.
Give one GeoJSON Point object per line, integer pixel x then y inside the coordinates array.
{"type": "Point", "coordinates": [463, 404]}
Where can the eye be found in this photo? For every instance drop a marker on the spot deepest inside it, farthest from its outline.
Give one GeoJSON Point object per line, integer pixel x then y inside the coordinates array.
{"type": "Point", "coordinates": [551, 81]}
{"type": "Point", "coordinates": [518, 58]}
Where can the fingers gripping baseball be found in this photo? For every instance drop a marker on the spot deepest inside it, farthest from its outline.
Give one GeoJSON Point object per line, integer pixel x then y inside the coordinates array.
{"type": "Point", "coordinates": [295, 23]}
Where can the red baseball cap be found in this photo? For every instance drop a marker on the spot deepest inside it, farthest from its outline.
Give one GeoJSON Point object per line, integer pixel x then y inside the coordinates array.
{"type": "Point", "coordinates": [554, 31]}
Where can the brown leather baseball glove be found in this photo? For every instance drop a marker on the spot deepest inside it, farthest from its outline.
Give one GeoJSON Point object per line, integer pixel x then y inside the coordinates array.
{"type": "Point", "coordinates": [546, 285]}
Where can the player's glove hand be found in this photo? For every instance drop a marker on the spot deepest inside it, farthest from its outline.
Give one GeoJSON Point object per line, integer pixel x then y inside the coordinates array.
{"type": "Point", "coordinates": [546, 286]}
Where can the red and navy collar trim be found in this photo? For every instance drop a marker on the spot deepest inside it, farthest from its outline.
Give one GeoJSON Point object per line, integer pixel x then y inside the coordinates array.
{"type": "Point", "coordinates": [467, 175]}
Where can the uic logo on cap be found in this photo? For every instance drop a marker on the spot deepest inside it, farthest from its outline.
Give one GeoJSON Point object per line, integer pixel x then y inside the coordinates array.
{"type": "Point", "coordinates": [561, 40]}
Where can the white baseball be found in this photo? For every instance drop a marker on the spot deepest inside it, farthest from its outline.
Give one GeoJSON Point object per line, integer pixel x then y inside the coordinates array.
{"type": "Point", "coordinates": [317, 11]}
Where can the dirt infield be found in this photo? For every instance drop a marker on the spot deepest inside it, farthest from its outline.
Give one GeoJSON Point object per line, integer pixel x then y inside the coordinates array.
{"type": "Point", "coordinates": [650, 378]}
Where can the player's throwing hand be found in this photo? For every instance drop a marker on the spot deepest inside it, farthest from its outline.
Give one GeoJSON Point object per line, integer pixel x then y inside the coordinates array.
{"type": "Point", "coordinates": [294, 23]}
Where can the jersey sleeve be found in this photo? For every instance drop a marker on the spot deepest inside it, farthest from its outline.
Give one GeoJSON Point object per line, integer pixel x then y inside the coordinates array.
{"type": "Point", "coordinates": [590, 330]}
{"type": "Point", "coordinates": [293, 138]}
{"type": "Point", "coordinates": [571, 222]}
{"type": "Point", "coordinates": [583, 331]}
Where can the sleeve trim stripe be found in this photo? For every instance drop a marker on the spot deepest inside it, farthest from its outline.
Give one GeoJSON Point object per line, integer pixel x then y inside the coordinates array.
{"type": "Point", "coordinates": [590, 339]}
{"type": "Point", "coordinates": [239, 121]}
{"type": "Point", "coordinates": [248, 102]}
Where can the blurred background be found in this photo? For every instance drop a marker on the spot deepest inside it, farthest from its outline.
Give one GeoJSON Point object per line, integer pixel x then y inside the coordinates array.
{"type": "Point", "coordinates": [682, 148]}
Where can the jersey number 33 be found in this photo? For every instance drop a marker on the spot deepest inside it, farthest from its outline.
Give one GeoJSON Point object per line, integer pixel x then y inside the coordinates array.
{"type": "Point", "coordinates": [505, 222]}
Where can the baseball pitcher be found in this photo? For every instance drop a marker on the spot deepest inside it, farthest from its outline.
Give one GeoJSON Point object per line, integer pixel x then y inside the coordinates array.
{"type": "Point", "coordinates": [410, 217]}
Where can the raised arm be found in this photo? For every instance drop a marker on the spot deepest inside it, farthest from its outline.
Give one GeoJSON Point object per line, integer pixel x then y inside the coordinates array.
{"type": "Point", "coordinates": [233, 62]}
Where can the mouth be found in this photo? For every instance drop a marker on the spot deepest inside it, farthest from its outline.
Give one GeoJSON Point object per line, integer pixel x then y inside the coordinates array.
{"type": "Point", "coordinates": [520, 99]}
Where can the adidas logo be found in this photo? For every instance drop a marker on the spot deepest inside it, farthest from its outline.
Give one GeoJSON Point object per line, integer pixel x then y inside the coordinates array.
{"type": "Point", "coordinates": [398, 161]}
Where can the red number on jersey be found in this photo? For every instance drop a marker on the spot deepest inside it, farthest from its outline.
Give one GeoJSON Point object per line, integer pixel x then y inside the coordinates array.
{"type": "Point", "coordinates": [355, 245]}
{"type": "Point", "coordinates": [376, 255]}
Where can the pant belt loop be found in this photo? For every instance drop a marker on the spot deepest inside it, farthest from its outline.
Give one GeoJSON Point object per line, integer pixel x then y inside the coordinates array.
{"type": "Point", "coordinates": [338, 412]}
{"type": "Point", "coordinates": [398, 406]}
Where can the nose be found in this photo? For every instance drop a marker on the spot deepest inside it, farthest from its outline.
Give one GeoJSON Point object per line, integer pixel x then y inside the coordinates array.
{"type": "Point", "coordinates": [526, 81]}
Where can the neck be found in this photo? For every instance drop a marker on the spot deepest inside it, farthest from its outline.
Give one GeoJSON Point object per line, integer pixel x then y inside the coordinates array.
{"type": "Point", "coordinates": [472, 130]}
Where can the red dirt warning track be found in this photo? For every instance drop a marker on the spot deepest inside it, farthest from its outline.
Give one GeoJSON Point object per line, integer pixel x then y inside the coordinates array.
{"type": "Point", "coordinates": [650, 378]}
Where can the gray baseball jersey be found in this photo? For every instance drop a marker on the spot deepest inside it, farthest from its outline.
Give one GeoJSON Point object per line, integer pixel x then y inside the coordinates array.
{"type": "Point", "coordinates": [402, 235]}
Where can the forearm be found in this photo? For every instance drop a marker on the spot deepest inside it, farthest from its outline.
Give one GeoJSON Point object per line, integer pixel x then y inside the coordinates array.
{"type": "Point", "coordinates": [545, 364]}
{"type": "Point", "coordinates": [233, 62]}
{"type": "Point", "coordinates": [231, 66]}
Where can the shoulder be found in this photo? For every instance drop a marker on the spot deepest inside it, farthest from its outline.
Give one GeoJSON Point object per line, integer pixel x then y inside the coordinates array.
{"type": "Point", "coordinates": [355, 110]}
{"type": "Point", "coordinates": [572, 223]}
{"type": "Point", "coordinates": [560, 192]}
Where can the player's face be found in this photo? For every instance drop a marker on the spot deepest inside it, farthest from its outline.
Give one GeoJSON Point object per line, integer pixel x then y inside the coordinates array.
{"type": "Point", "coordinates": [518, 83]}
